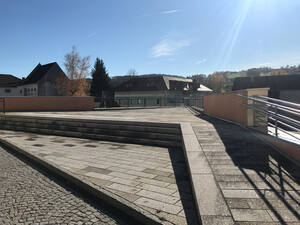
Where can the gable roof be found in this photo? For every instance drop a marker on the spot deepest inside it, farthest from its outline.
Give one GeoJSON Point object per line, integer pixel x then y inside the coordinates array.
{"type": "Point", "coordinates": [153, 83]}
{"type": "Point", "coordinates": [38, 72]}
{"type": "Point", "coordinates": [203, 88]}
{"type": "Point", "coordinates": [8, 80]}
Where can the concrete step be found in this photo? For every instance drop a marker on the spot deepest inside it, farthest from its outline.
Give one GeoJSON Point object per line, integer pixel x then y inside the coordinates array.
{"type": "Point", "coordinates": [127, 132]}
{"type": "Point", "coordinates": [143, 141]}
{"type": "Point", "coordinates": [113, 132]}
{"type": "Point", "coordinates": [86, 121]}
{"type": "Point", "coordinates": [102, 124]}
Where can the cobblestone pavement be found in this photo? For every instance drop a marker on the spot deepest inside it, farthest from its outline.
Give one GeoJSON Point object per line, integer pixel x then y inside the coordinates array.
{"type": "Point", "coordinates": [257, 184]}
{"type": "Point", "coordinates": [153, 178]}
{"type": "Point", "coordinates": [29, 197]}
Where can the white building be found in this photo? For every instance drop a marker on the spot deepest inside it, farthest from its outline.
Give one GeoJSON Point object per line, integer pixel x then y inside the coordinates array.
{"type": "Point", "coordinates": [9, 85]}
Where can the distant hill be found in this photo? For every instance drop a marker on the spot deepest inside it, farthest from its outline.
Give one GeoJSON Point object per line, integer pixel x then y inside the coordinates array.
{"type": "Point", "coordinates": [223, 80]}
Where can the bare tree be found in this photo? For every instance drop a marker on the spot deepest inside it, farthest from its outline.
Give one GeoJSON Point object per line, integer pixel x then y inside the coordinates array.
{"type": "Point", "coordinates": [77, 69]}
{"type": "Point", "coordinates": [132, 72]}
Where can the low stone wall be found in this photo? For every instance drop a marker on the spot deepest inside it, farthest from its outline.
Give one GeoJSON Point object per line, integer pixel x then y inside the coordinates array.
{"type": "Point", "coordinates": [226, 105]}
{"type": "Point", "coordinates": [66, 103]}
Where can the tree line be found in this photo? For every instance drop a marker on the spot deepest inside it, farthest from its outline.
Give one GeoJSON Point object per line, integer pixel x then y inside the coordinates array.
{"type": "Point", "coordinates": [222, 81]}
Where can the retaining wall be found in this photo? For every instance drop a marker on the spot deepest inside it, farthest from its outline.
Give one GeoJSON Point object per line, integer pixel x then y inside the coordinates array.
{"type": "Point", "coordinates": [66, 103]}
{"type": "Point", "coordinates": [226, 105]}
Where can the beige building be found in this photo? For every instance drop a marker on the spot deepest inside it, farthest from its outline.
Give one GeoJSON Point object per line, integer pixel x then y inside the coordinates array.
{"type": "Point", "coordinates": [152, 90]}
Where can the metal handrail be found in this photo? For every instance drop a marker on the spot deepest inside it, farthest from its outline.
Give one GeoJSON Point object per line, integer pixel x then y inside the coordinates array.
{"type": "Point", "coordinates": [282, 115]}
{"type": "Point", "coordinates": [284, 108]}
{"type": "Point", "coordinates": [271, 113]}
{"type": "Point", "coordinates": [292, 104]}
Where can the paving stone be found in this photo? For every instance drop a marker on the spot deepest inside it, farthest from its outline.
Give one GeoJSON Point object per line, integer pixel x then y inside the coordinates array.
{"type": "Point", "coordinates": [240, 194]}
{"type": "Point", "coordinates": [159, 197]}
{"type": "Point", "coordinates": [217, 220]}
{"type": "Point", "coordinates": [156, 189]}
{"type": "Point", "coordinates": [155, 182]}
{"type": "Point", "coordinates": [128, 196]}
{"type": "Point", "coordinates": [100, 182]}
{"type": "Point", "coordinates": [173, 209]}
{"type": "Point", "coordinates": [124, 188]}
{"type": "Point", "coordinates": [99, 175]}
{"type": "Point", "coordinates": [165, 179]}
{"type": "Point", "coordinates": [117, 169]}
{"type": "Point", "coordinates": [124, 181]}
{"type": "Point", "coordinates": [140, 174]}
{"type": "Point", "coordinates": [172, 186]}
{"type": "Point", "coordinates": [250, 215]}
{"type": "Point", "coordinates": [236, 203]}
{"type": "Point", "coordinates": [122, 175]}
{"type": "Point", "coordinates": [235, 185]}
{"type": "Point", "coordinates": [131, 167]}
{"type": "Point", "coordinates": [97, 170]}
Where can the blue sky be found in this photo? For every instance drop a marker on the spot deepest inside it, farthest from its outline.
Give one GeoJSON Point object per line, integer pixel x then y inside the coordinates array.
{"type": "Point", "coordinates": [157, 36]}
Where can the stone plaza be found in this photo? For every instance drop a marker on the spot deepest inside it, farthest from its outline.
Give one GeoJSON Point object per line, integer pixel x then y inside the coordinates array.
{"type": "Point", "coordinates": [228, 177]}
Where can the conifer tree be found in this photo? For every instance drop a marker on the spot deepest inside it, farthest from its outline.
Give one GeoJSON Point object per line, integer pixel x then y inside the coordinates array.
{"type": "Point", "coordinates": [100, 79]}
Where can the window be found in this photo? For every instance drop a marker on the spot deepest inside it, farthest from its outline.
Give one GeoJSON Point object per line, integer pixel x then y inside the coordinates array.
{"type": "Point", "coordinates": [21, 91]}
{"type": "Point", "coordinates": [34, 89]}
{"type": "Point", "coordinates": [7, 90]}
{"type": "Point", "coordinates": [157, 101]}
{"type": "Point", "coordinates": [31, 89]}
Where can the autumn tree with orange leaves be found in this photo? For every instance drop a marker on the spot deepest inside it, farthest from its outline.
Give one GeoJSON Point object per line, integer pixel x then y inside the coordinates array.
{"type": "Point", "coordinates": [217, 82]}
{"type": "Point", "coordinates": [77, 70]}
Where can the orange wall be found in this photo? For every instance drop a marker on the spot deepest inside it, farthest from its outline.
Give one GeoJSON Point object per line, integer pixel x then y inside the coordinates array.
{"type": "Point", "coordinates": [13, 104]}
{"type": "Point", "coordinates": [226, 106]}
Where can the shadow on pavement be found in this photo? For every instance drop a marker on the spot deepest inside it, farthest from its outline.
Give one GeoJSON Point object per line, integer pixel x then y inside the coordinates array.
{"type": "Point", "coordinates": [183, 184]}
{"type": "Point", "coordinates": [280, 176]}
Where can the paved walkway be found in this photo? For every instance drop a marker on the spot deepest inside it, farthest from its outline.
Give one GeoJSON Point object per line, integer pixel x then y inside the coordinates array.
{"type": "Point", "coordinates": [27, 196]}
{"type": "Point", "coordinates": [151, 177]}
{"type": "Point", "coordinates": [258, 186]}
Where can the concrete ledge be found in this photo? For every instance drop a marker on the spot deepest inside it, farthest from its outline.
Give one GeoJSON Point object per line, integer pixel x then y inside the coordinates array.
{"type": "Point", "coordinates": [208, 198]}
{"type": "Point", "coordinates": [140, 215]}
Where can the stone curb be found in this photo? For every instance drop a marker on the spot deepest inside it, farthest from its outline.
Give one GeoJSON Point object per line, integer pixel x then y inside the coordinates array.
{"type": "Point", "coordinates": [140, 215]}
{"type": "Point", "coordinates": [209, 201]}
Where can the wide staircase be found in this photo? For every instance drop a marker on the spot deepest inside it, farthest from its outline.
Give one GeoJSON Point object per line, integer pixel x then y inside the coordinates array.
{"type": "Point", "coordinates": [145, 133]}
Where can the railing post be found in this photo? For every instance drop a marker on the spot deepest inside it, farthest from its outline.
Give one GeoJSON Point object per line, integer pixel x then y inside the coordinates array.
{"type": "Point", "coordinates": [276, 123]}
{"type": "Point", "coordinates": [3, 105]}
